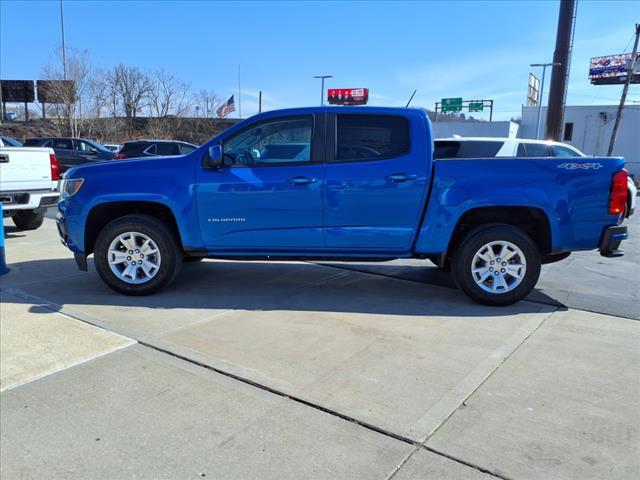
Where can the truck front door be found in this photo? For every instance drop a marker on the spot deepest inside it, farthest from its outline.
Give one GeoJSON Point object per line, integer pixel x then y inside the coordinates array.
{"type": "Point", "coordinates": [268, 194]}
{"type": "Point", "coordinates": [376, 179]}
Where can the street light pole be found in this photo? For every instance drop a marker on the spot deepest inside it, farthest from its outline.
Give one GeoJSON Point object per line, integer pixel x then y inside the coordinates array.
{"type": "Point", "coordinates": [544, 71]}
{"type": "Point", "coordinates": [322, 77]}
{"type": "Point", "coordinates": [64, 50]}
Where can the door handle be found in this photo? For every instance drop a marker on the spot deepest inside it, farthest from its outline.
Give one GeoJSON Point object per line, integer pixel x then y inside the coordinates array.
{"type": "Point", "coordinates": [400, 177]}
{"type": "Point", "coordinates": [302, 180]}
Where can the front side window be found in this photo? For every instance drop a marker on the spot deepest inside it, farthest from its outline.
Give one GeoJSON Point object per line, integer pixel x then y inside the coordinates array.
{"type": "Point", "coordinates": [84, 147]}
{"type": "Point", "coordinates": [279, 141]}
{"type": "Point", "coordinates": [466, 149]}
{"type": "Point", "coordinates": [185, 149]}
{"type": "Point", "coordinates": [370, 137]}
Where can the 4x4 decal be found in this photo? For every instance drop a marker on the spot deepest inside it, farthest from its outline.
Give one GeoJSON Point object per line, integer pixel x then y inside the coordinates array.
{"type": "Point", "coordinates": [580, 166]}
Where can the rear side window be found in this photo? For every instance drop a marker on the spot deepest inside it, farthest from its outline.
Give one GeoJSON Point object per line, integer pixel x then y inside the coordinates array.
{"type": "Point", "coordinates": [371, 137]}
{"type": "Point", "coordinates": [133, 148]}
{"type": "Point", "coordinates": [559, 151]}
{"type": "Point", "coordinates": [167, 149]}
{"type": "Point", "coordinates": [534, 150]}
{"type": "Point", "coordinates": [32, 142]}
{"type": "Point", "coordinates": [466, 149]}
{"type": "Point", "coordinates": [62, 144]}
{"type": "Point", "coordinates": [151, 149]}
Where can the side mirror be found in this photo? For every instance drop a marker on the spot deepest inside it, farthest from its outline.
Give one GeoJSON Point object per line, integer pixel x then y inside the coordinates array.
{"type": "Point", "coordinates": [214, 157]}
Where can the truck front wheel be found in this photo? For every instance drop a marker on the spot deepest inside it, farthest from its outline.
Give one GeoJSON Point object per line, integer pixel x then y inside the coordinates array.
{"type": "Point", "coordinates": [496, 265]}
{"type": "Point", "coordinates": [137, 255]}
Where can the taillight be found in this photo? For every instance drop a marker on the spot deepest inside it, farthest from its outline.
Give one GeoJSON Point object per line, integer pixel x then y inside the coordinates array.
{"type": "Point", "coordinates": [55, 167]}
{"type": "Point", "coordinates": [619, 192]}
{"type": "Point", "coordinates": [120, 156]}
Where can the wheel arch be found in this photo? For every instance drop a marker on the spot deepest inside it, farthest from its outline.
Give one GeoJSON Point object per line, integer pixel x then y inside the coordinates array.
{"type": "Point", "coordinates": [533, 221]}
{"type": "Point", "coordinates": [104, 213]}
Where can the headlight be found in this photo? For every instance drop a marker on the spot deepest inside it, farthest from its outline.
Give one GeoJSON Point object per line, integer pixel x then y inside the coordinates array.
{"type": "Point", "coordinates": [70, 186]}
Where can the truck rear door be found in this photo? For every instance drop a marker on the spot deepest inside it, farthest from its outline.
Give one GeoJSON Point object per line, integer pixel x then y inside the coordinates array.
{"type": "Point", "coordinates": [24, 169]}
{"type": "Point", "coordinates": [376, 177]}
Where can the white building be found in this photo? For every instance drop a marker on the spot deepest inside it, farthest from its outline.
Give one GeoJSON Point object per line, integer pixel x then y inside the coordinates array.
{"type": "Point", "coordinates": [475, 129]}
{"type": "Point", "coordinates": [588, 128]}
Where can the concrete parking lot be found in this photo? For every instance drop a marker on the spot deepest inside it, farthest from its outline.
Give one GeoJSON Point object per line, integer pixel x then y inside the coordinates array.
{"type": "Point", "coordinates": [306, 370]}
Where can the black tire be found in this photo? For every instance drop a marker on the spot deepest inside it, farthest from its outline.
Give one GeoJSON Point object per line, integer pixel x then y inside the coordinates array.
{"type": "Point", "coordinates": [170, 253]}
{"type": "Point", "coordinates": [463, 258]}
{"type": "Point", "coordinates": [28, 219]}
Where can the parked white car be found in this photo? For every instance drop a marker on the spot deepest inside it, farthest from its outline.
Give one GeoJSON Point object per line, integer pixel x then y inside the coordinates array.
{"type": "Point", "coordinates": [28, 184]}
{"type": "Point", "coordinates": [486, 147]}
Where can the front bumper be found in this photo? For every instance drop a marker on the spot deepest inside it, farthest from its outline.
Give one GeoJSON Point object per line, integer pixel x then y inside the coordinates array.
{"type": "Point", "coordinates": [62, 228]}
{"type": "Point", "coordinates": [80, 258]}
{"type": "Point", "coordinates": [611, 239]}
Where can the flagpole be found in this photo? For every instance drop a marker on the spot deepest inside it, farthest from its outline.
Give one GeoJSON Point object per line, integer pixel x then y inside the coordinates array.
{"type": "Point", "coordinates": [239, 95]}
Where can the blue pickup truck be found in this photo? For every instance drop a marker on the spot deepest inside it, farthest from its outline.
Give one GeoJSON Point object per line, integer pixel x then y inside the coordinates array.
{"type": "Point", "coordinates": [343, 183]}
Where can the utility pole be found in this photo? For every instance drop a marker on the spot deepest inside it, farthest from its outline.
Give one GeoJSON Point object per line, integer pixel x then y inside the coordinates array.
{"type": "Point", "coordinates": [544, 71]}
{"type": "Point", "coordinates": [260, 101]}
{"type": "Point", "coordinates": [625, 89]}
{"type": "Point", "coordinates": [560, 72]}
{"type": "Point", "coordinates": [322, 77]}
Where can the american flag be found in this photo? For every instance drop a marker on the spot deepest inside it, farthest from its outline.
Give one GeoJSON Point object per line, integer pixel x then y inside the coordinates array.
{"type": "Point", "coordinates": [226, 108]}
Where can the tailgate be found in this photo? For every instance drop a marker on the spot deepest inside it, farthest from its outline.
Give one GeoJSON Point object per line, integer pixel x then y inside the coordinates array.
{"type": "Point", "coordinates": [25, 168]}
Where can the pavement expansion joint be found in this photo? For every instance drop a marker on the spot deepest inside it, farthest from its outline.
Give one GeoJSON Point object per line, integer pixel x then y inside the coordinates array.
{"type": "Point", "coordinates": [331, 412]}
{"type": "Point", "coordinates": [403, 462]}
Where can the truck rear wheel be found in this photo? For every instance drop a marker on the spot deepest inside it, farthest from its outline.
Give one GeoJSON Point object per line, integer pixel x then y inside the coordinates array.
{"type": "Point", "coordinates": [137, 255]}
{"type": "Point", "coordinates": [28, 219]}
{"type": "Point", "coordinates": [496, 265]}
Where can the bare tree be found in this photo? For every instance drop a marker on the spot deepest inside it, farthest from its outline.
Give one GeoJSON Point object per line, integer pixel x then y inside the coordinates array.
{"type": "Point", "coordinates": [129, 90]}
{"type": "Point", "coordinates": [207, 102]}
{"type": "Point", "coordinates": [69, 95]}
{"type": "Point", "coordinates": [168, 95]}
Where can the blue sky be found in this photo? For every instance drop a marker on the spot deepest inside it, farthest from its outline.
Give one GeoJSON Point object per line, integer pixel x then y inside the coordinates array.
{"type": "Point", "coordinates": [471, 49]}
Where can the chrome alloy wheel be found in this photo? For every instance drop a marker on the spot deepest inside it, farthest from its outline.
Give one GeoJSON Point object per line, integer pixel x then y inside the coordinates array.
{"type": "Point", "coordinates": [134, 257]}
{"type": "Point", "coordinates": [498, 267]}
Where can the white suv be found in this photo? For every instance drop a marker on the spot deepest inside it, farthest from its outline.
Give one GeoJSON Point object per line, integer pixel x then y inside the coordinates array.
{"type": "Point", "coordinates": [486, 147]}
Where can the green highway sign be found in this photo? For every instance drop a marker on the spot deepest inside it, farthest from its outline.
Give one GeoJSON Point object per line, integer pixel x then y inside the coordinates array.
{"type": "Point", "coordinates": [476, 106]}
{"type": "Point", "coordinates": [451, 104]}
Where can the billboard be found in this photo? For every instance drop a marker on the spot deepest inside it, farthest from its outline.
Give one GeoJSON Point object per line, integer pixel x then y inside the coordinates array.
{"type": "Point", "coordinates": [348, 96]}
{"type": "Point", "coordinates": [533, 91]}
{"type": "Point", "coordinates": [56, 91]}
{"type": "Point", "coordinates": [612, 69]}
{"type": "Point", "coordinates": [17, 91]}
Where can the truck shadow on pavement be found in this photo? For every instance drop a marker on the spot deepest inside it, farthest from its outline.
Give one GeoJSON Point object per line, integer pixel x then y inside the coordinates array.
{"type": "Point", "coordinates": [244, 285]}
